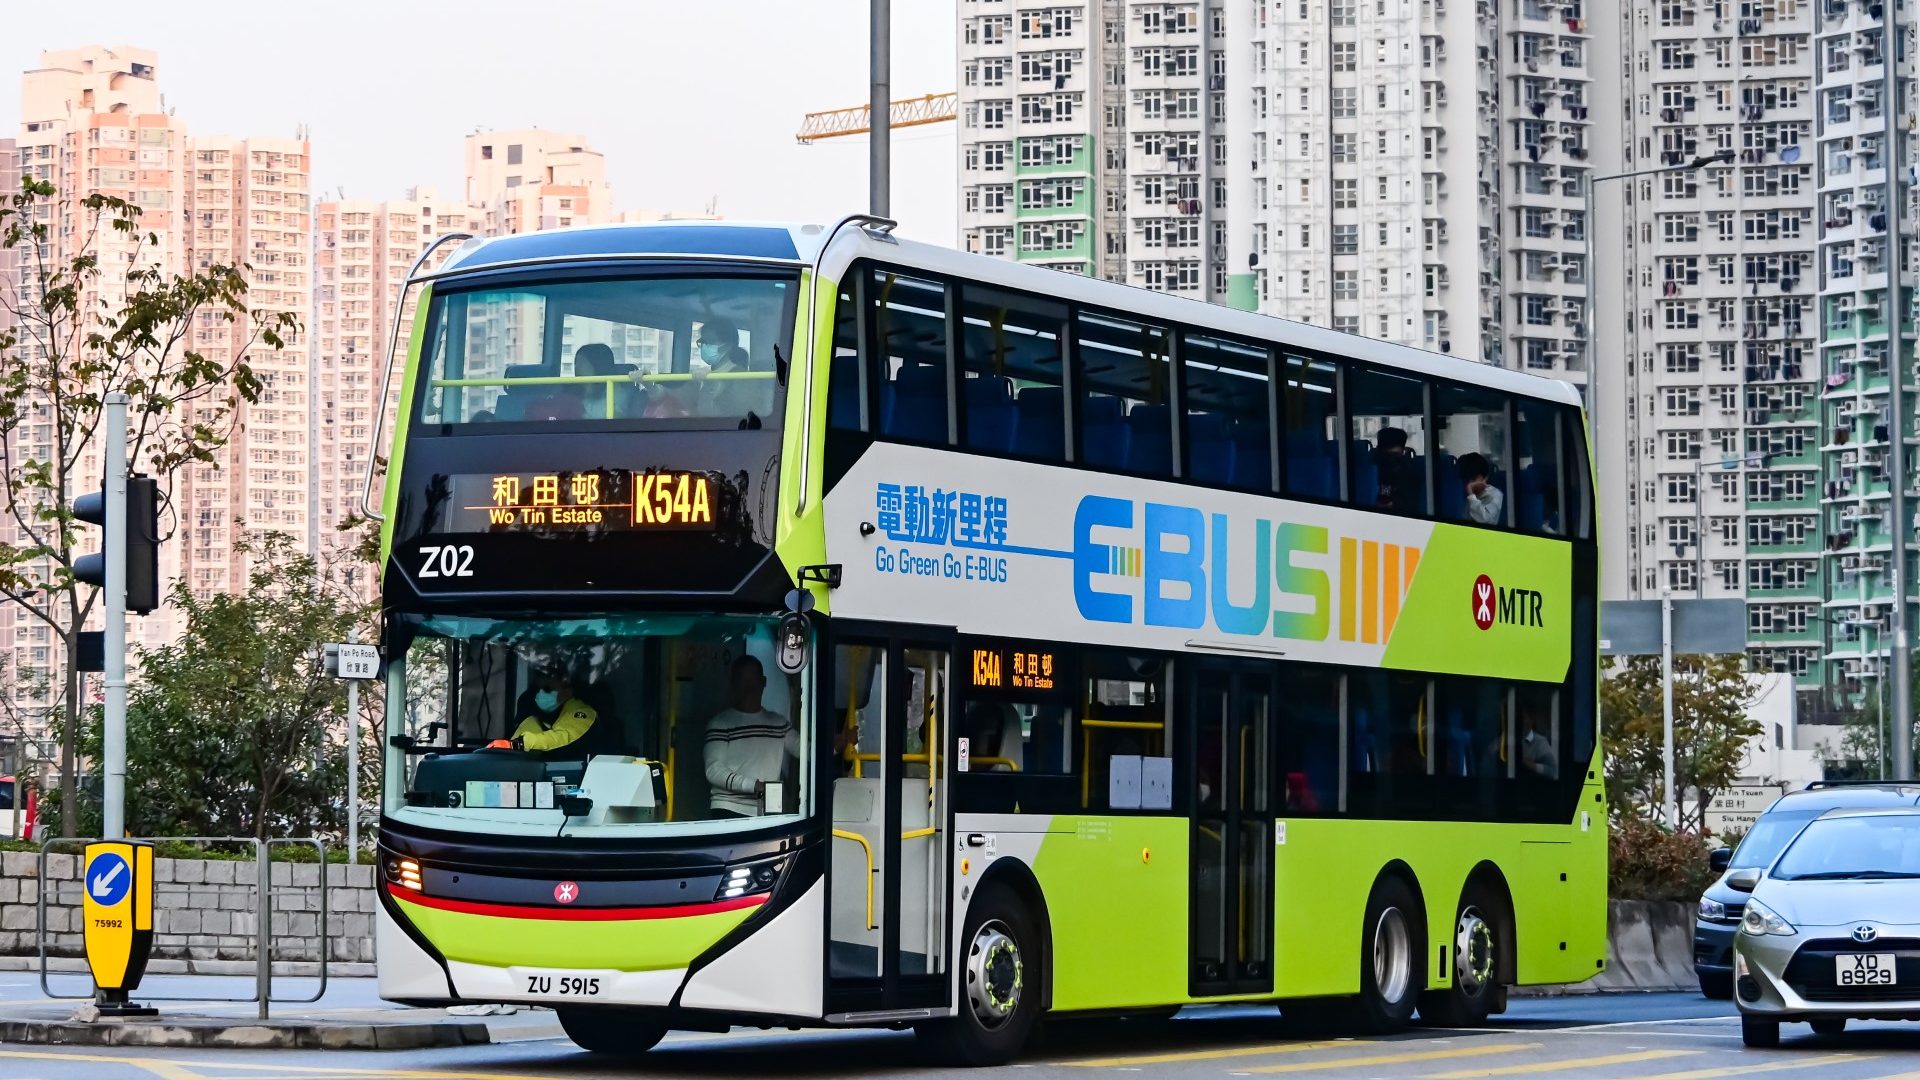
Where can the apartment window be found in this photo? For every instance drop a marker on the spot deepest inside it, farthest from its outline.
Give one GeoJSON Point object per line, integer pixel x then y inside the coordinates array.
{"type": "Point", "coordinates": [513, 153]}
{"type": "Point", "coordinates": [1345, 193]}
{"type": "Point", "coordinates": [1344, 55]}
{"type": "Point", "coordinates": [1346, 239]}
{"type": "Point", "coordinates": [1344, 104]}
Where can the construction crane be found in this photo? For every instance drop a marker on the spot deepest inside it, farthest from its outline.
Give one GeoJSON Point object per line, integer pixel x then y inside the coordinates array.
{"type": "Point", "coordinates": [912, 112]}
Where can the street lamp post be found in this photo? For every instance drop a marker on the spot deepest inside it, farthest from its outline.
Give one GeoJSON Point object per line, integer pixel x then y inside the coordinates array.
{"type": "Point", "coordinates": [1587, 231]}
{"type": "Point", "coordinates": [1700, 512]}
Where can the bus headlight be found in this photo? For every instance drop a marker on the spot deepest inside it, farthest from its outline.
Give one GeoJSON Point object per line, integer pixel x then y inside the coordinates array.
{"type": "Point", "coordinates": [748, 880]}
{"type": "Point", "coordinates": [404, 873]}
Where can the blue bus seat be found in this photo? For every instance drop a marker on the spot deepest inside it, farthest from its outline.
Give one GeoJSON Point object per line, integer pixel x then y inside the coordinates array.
{"type": "Point", "coordinates": [1531, 511]}
{"type": "Point", "coordinates": [843, 393]}
{"type": "Point", "coordinates": [917, 408]}
{"type": "Point", "coordinates": [1252, 457]}
{"type": "Point", "coordinates": [1150, 440]}
{"type": "Point", "coordinates": [1040, 429]}
{"type": "Point", "coordinates": [989, 419]}
{"type": "Point", "coordinates": [1103, 431]}
{"type": "Point", "coordinates": [1452, 489]}
{"type": "Point", "coordinates": [1209, 454]}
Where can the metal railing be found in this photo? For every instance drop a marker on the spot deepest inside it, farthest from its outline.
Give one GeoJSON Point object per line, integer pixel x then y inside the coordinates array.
{"type": "Point", "coordinates": [263, 908]}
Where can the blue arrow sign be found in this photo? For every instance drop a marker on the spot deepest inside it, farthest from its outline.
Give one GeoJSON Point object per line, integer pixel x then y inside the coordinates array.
{"type": "Point", "coordinates": [108, 879]}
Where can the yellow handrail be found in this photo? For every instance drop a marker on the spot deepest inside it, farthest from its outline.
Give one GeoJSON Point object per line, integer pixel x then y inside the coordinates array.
{"type": "Point", "coordinates": [868, 848]}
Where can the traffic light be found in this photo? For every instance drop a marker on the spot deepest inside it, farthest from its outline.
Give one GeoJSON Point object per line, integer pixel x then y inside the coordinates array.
{"type": "Point", "coordinates": [142, 537]}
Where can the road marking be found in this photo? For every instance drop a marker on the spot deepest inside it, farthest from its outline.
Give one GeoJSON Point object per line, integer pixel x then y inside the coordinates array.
{"type": "Point", "coordinates": [1207, 1055]}
{"type": "Point", "coordinates": [1768, 1066]}
{"type": "Point", "coordinates": [1554, 1066]}
{"type": "Point", "coordinates": [164, 1070]}
{"type": "Point", "coordinates": [1393, 1059]}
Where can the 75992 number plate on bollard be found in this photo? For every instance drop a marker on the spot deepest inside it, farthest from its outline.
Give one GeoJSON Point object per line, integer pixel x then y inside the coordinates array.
{"type": "Point", "coordinates": [1865, 969]}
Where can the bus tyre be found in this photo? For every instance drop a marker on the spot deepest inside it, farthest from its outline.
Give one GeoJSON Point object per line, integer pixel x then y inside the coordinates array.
{"type": "Point", "coordinates": [1478, 930]}
{"type": "Point", "coordinates": [1390, 969]}
{"type": "Point", "coordinates": [613, 1032]}
{"type": "Point", "coordinates": [999, 985]}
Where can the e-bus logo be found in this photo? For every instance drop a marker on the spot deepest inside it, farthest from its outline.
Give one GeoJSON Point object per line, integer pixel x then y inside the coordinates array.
{"type": "Point", "coordinates": [1514, 607]}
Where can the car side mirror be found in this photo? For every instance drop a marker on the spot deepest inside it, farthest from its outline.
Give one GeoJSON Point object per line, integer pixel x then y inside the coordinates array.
{"type": "Point", "coordinates": [1743, 880]}
{"type": "Point", "coordinates": [1718, 858]}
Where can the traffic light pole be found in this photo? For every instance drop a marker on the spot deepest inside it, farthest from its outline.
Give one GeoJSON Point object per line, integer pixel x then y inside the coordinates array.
{"type": "Point", "coordinates": [113, 806]}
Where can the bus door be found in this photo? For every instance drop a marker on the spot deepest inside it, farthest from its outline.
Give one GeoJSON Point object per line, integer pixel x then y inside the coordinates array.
{"type": "Point", "coordinates": [1233, 832]}
{"type": "Point", "coordinates": [891, 847]}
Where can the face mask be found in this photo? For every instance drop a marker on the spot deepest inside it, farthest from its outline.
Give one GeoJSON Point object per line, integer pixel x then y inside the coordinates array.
{"type": "Point", "coordinates": [546, 701]}
{"type": "Point", "coordinates": [713, 352]}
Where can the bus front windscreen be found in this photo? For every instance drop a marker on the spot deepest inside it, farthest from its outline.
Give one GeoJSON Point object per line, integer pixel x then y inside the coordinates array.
{"type": "Point", "coordinates": [604, 726]}
{"type": "Point", "coordinates": [682, 349]}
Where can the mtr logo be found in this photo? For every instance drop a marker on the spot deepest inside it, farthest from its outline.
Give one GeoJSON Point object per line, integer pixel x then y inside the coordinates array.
{"type": "Point", "coordinates": [1514, 607]}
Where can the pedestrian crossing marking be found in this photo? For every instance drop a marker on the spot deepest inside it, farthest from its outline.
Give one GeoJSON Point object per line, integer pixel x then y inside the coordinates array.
{"type": "Point", "coordinates": [1393, 1059]}
{"type": "Point", "coordinates": [1746, 1067]}
{"type": "Point", "coordinates": [1555, 1066]}
{"type": "Point", "coordinates": [1208, 1055]}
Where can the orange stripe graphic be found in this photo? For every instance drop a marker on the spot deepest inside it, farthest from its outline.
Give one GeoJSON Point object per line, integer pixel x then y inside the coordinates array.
{"type": "Point", "coordinates": [1346, 588]}
{"type": "Point", "coordinates": [1370, 591]}
{"type": "Point", "coordinates": [1392, 596]}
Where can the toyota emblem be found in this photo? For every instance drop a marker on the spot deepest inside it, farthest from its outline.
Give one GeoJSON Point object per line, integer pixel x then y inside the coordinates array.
{"type": "Point", "coordinates": [1865, 933]}
{"type": "Point", "coordinates": [565, 892]}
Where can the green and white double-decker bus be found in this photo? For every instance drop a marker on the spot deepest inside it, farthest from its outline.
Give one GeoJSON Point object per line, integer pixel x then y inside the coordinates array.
{"type": "Point", "coordinates": [803, 626]}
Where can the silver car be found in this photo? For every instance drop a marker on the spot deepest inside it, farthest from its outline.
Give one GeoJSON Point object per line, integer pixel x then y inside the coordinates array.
{"type": "Point", "coordinates": [1832, 929]}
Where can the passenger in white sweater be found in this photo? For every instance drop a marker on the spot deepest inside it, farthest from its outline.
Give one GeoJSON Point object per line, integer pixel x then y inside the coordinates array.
{"type": "Point", "coordinates": [747, 747]}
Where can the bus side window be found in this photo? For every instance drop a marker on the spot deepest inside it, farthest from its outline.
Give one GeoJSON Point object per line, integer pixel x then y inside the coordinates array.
{"type": "Point", "coordinates": [1388, 444]}
{"type": "Point", "coordinates": [1578, 478]}
{"type": "Point", "coordinates": [1537, 485]}
{"type": "Point", "coordinates": [844, 409]}
{"type": "Point", "coordinates": [1470, 465]}
{"type": "Point", "coordinates": [1308, 741]}
{"type": "Point", "coordinates": [1125, 382]}
{"type": "Point", "coordinates": [1229, 413]}
{"type": "Point", "coordinates": [1310, 424]}
{"type": "Point", "coordinates": [908, 359]}
{"type": "Point", "coordinates": [1011, 399]}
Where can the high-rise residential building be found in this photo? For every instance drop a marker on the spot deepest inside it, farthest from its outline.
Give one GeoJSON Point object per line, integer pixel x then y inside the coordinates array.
{"type": "Point", "coordinates": [535, 179]}
{"type": "Point", "coordinates": [362, 250]}
{"type": "Point", "coordinates": [1402, 169]}
{"type": "Point", "coordinates": [92, 122]}
{"type": "Point", "coordinates": [1719, 451]}
{"type": "Point", "coordinates": [1848, 57]}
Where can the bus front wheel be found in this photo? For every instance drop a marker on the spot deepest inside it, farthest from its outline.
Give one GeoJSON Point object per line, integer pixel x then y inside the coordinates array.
{"type": "Point", "coordinates": [1390, 968]}
{"type": "Point", "coordinates": [1479, 928]}
{"type": "Point", "coordinates": [613, 1032]}
{"type": "Point", "coordinates": [999, 985]}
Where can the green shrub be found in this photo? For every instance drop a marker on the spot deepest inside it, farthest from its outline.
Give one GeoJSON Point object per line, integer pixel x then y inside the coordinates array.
{"type": "Point", "coordinates": [1646, 861]}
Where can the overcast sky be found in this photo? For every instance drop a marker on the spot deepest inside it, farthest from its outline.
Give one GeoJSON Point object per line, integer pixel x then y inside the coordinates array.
{"type": "Point", "coordinates": [690, 100]}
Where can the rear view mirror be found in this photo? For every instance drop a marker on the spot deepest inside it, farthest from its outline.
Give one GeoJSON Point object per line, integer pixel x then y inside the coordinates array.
{"type": "Point", "coordinates": [1718, 859]}
{"type": "Point", "coordinates": [1743, 880]}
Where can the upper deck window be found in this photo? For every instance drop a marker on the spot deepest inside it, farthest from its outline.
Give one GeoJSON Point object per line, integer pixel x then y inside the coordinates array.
{"type": "Point", "coordinates": [704, 350]}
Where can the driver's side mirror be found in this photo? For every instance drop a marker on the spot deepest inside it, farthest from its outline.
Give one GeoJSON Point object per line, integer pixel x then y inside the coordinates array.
{"type": "Point", "coordinates": [1718, 858]}
{"type": "Point", "coordinates": [1743, 880]}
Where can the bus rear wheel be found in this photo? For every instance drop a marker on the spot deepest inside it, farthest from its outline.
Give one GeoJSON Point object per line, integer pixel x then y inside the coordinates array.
{"type": "Point", "coordinates": [999, 985]}
{"type": "Point", "coordinates": [613, 1032]}
{"type": "Point", "coordinates": [1390, 968]}
{"type": "Point", "coordinates": [1479, 929]}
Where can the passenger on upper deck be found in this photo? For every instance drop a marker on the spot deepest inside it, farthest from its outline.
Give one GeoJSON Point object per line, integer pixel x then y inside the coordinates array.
{"type": "Point", "coordinates": [1399, 480]}
{"type": "Point", "coordinates": [1486, 504]}
{"type": "Point", "coordinates": [552, 717]}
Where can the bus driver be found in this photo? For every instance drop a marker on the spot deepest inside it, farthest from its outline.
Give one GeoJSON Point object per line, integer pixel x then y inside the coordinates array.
{"type": "Point", "coordinates": [552, 716]}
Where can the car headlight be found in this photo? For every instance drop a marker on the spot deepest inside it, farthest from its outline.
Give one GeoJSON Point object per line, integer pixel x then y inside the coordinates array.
{"type": "Point", "coordinates": [1712, 910]}
{"type": "Point", "coordinates": [1760, 920]}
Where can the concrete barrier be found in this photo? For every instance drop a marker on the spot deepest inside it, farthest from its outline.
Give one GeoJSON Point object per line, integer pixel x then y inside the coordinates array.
{"type": "Point", "coordinates": [1649, 948]}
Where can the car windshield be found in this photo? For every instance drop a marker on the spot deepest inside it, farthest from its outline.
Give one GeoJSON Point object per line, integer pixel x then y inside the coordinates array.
{"type": "Point", "coordinates": [1865, 846]}
{"type": "Point", "coordinates": [592, 726]}
{"type": "Point", "coordinates": [699, 350]}
{"type": "Point", "coordinates": [1768, 836]}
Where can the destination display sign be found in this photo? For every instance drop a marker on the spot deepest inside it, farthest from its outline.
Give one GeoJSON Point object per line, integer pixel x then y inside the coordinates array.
{"type": "Point", "coordinates": [585, 500]}
{"type": "Point", "coordinates": [1013, 665]}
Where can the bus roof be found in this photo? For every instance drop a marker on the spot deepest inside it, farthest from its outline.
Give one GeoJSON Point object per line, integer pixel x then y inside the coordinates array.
{"type": "Point", "coordinates": [802, 243]}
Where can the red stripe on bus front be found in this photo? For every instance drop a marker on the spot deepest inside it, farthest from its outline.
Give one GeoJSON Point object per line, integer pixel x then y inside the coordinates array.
{"type": "Point", "coordinates": [573, 914]}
